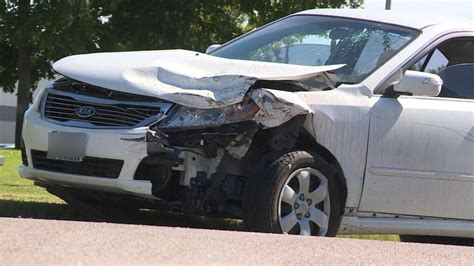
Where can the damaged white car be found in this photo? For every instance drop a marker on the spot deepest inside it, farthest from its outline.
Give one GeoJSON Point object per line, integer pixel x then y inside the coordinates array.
{"type": "Point", "coordinates": [323, 122]}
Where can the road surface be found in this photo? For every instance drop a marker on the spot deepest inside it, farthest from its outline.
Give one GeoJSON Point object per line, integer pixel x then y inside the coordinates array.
{"type": "Point", "coordinates": [32, 241]}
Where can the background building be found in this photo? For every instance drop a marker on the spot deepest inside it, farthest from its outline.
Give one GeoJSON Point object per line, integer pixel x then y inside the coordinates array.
{"type": "Point", "coordinates": [8, 112]}
{"type": "Point", "coordinates": [7, 117]}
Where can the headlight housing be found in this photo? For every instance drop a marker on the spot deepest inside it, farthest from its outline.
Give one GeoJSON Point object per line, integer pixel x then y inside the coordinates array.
{"type": "Point", "coordinates": [37, 102]}
{"type": "Point", "coordinates": [191, 118]}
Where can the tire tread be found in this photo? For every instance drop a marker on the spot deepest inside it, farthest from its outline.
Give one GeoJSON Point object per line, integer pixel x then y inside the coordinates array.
{"type": "Point", "coordinates": [257, 209]}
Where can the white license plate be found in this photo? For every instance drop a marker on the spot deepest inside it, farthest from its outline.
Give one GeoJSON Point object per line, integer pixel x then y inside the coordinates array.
{"type": "Point", "coordinates": [67, 146]}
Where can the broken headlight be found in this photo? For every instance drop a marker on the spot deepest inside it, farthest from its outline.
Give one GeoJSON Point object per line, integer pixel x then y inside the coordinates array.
{"type": "Point", "coordinates": [187, 117]}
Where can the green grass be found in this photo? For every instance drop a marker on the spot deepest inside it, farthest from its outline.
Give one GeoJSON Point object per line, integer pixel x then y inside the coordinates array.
{"type": "Point", "coordinates": [21, 198]}
{"type": "Point", "coordinates": [373, 237]}
{"type": "Point", "coordinates": [14, 188]}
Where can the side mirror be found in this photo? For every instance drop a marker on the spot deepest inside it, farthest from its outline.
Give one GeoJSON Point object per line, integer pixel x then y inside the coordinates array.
{"type": "Point", "coordinates": [212, 47]}
{"type": "Point", "coordinates": [419, 83]}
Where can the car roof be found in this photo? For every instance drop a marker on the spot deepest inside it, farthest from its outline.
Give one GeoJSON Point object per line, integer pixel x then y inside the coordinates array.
{"type": "Point", "coordinates": [408, 19]}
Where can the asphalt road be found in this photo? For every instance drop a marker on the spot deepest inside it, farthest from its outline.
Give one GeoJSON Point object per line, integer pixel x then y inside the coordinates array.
{"type": "Point", "coordinates": [31, 241]}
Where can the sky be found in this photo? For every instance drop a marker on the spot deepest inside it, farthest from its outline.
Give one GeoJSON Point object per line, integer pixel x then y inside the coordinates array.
{"type": "Point", "coordinates": [457, 8]}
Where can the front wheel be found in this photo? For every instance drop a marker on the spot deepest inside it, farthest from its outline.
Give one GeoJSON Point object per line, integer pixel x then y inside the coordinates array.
{"type": "Point", "coordinates": [295, 193]}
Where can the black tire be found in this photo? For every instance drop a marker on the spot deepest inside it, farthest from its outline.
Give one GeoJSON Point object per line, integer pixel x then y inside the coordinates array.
{"type": "Point", "coordinates": [438, 240]}
{"type": "Point", "coordinates": [263, 188]}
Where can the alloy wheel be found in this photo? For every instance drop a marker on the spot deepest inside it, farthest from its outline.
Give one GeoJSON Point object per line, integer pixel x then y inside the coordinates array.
{"type": "Point", "coordinates": [303, 205]}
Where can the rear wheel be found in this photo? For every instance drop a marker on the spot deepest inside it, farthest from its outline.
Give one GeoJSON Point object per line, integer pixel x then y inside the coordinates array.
{"type": "Point", "coordinates": [295, 193]}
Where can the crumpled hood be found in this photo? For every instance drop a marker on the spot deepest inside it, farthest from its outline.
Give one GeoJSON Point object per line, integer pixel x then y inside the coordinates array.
{"type": "Point", "coordinates": [185, 77]}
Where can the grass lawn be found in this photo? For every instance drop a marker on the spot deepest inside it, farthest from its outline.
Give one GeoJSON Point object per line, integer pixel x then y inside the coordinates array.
{"type": "Point", "coordinates": [14, 188]}
{"type": "Point", "coordinates": [20, 198]}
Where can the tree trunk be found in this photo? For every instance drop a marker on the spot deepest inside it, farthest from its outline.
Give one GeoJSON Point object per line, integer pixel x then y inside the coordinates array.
{"type": "Point", "coordinates": [24, 86]}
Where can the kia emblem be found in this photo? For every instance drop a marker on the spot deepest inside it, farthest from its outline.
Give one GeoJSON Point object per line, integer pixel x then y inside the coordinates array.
{"type": "Point", "coordinates": [85, 111]}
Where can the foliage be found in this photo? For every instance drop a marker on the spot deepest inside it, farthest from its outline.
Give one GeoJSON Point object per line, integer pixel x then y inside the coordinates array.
{"type": "Point", "coordinates": [262, 12]}
{"type": "Point", "coordinates": [193, 24]}
{"type": "Point", "coordinates": [163, 24]}
{"type": "Point", "coordinates": [49, 29]}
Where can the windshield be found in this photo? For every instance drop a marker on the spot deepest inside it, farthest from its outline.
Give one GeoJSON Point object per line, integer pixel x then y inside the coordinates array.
{"type": "Point", "coordinates": [362, 46]}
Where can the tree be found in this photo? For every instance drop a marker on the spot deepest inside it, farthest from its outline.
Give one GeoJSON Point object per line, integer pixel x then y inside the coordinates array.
{"type": "Point", "coordinates": [163, 24]}
{"type": "Point", "coordinates": [35, 33]}
{"type": "Point", "coordinates": [195, 24]}
{"type": "Point", "coordinates": [262, 12]}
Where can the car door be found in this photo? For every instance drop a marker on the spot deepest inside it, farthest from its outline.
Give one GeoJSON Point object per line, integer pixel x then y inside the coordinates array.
{"type": "Point", "coordinates": [421, 149]}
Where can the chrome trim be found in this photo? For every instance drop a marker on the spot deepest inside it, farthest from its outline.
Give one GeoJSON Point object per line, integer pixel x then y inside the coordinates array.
{"type": "Point", "coordinates": [412, 173]}
{"type": "Point", "coordinates": [106, 103]}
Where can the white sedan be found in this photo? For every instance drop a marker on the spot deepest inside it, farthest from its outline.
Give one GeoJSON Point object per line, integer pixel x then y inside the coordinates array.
{"type": "Point", "coordinates": [322, 122]}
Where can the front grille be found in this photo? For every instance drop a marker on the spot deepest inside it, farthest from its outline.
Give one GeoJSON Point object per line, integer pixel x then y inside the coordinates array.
{"type": "Point", "coordinates": [89, 166]}
{"type": "Point", "coordinates": [63, 108]}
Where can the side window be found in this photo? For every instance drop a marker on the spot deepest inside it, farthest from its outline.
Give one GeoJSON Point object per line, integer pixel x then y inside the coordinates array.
{"type": "Point", "coordinates": [453, 61]}
{"type": "Point", "coordinates": [437, 62]}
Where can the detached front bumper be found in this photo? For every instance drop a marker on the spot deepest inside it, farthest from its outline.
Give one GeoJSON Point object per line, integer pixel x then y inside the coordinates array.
{"type": "Point", "coordinates": [107, 144]}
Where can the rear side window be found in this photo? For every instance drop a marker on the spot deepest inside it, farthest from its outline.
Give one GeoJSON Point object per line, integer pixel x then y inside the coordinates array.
{"type": "Point", "coordinates": [453, 61]}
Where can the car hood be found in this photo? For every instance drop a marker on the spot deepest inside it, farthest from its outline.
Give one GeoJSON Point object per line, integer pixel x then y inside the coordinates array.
{"type": "Point", "coordinates": [185, 77]}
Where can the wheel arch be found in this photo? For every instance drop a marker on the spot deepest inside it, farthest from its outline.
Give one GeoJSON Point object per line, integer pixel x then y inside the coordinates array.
{"type": "Point", "coordinates": [307, 142]}
{"type": "Point", "coordinates": [292, 135]}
